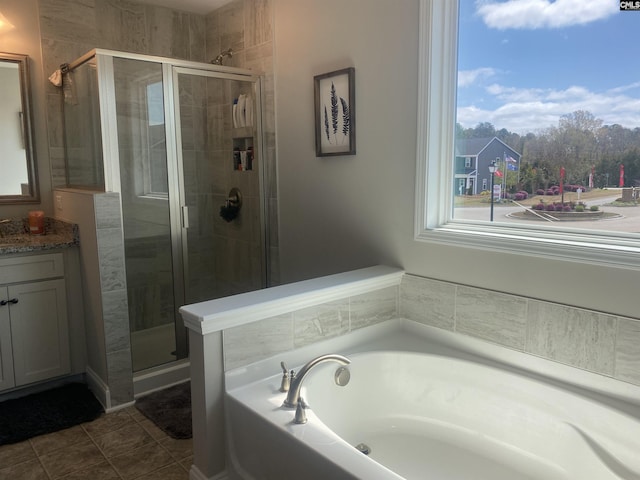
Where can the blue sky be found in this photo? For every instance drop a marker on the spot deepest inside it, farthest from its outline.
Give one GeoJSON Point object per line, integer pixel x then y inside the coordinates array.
{"type": "Point", "coordinates": [524, 63]}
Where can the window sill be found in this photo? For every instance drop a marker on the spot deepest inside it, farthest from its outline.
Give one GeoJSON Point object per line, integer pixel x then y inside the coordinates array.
{"type": "Point", "coordinates": [619, 252]}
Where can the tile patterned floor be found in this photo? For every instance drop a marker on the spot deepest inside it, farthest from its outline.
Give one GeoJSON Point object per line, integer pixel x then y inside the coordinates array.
{"type": "Point", "coordinates": [122, 445]}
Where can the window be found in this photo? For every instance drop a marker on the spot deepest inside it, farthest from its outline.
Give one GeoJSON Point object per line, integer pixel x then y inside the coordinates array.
{"type": "Point", "coordinates": [156, 181]}
{"type": "Point", "coordinates": [440, 217]}
{"type": "Point", "coordinates": [467, 162]}
{"type": "Point", "coordinates": [155, 157]}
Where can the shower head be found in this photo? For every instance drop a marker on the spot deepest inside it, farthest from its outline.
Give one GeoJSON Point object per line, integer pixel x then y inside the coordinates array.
{"type": "Point", "coordinates": [220, 57]}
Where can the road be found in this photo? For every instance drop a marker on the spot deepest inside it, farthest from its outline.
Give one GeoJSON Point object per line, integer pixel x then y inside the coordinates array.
{"type": "Point", "coordinates": [629, 220]}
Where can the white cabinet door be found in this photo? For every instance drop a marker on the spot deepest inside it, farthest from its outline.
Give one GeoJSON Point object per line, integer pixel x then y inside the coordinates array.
{"type": "Point", "coordinates": [39, 330]}
{"type": "Point", "coordinates": [6, 355]}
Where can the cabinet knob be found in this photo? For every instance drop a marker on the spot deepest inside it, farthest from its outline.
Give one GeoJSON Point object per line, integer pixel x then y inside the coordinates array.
{"type": "Point", "coordinates": [13, 300]}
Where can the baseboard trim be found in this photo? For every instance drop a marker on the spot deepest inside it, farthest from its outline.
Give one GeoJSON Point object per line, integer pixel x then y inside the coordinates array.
{"type": "Point", "coordinates": [99, 388]}
{"type": "Point", "coordinates": [161, 377]}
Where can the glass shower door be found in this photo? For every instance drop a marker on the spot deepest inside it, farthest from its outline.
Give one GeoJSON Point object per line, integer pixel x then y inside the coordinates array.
{"type": "Point", "coordinates": [153, 295]}
{"type": "Point", "coordinates": [190, 185]}
{"type": "Point", "coordinates": [217, 132]}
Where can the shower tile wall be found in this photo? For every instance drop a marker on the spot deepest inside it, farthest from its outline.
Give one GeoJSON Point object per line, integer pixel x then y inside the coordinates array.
{"type": "Point", "coordinates": [224, 257]}
{"type": "Point", "coordinates": [114, 296]}
{"type": "Point", "coordinates": [246, 27]}
{"type": "Point", "coordinates": [105, 297]}
{"type": "Point", "coordinates": [70, 28]}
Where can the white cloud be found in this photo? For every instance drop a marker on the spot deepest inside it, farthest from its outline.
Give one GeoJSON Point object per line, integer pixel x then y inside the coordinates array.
{"type": "Point", "coordinates": [624, 88]}
{"type": "Point", "coordinates": [533, 14]}
{"type": "Point", "coordinates": [524, 110]}
{"type": "Point", "coordinates": [468, 77]}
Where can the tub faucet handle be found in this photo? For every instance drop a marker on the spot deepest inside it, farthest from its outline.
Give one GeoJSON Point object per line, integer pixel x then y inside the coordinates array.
{"type": "Point", "coordinates": [286, 378]}
{"type": "Point", "coordinates": [301, 416]}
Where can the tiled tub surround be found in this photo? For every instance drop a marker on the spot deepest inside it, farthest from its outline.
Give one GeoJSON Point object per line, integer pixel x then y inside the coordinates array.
{"type": "Point", "coordinates": [593, 341]}
{"type": "Point", "coordinates": [238, 331]}
{"type": "Point", "coordinates": [15, 236]}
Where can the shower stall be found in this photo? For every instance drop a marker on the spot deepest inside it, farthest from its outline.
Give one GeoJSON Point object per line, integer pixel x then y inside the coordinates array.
{"type": "Point", "coordinates": [181, 142]}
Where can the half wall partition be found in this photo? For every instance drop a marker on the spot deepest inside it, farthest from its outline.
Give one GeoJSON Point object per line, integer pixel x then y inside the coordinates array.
{"type": "Point", "coordinates": [181, 143]}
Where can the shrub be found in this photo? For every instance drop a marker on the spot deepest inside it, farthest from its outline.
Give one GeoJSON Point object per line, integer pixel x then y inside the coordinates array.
{"type": "Point", "coordinates": [540, 191]}
{"type": "Point", "coordinates": [594, 208]}
{"type": "Point", "coordinates": [579, 208]}
{"type": "Point", "coordinates": [550, 208]}
{"type": "Point", "coordinates": [539, 206]}
{"type": "Point", "coordinates": [566, 208]}
{"type": "Point", "coordinates": [519, 196]}
{"type": "Point", "coordinates": [524, 194]}
{"type": "Point", "coordinates": [549, 191]}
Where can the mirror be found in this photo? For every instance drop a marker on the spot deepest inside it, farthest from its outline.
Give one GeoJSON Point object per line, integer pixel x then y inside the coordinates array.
{"type": "Point", "coordinates": [18, 182]}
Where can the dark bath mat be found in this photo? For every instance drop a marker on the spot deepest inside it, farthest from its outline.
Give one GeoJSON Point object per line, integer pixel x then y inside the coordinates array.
{"type": "Point", "coordinates": [169, 409]}
{"type": "Point", "coordinates": [47, 412]}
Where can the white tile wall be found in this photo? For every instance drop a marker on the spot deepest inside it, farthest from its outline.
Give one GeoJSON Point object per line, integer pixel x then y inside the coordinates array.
{"type": "Point", "coordinates": [428, 301]}
{"type": "Point", "coordinates": [491, 316]}
{"type": "Point", "coordinates": [256, 341]}
{"type": "Point", "coordinates": [589, 340]}
{"type": "Point", "coordinates": [627, 360]}
{"type": "Point", "coordinates": [577, 337]}
{"type": "Point", "coordinates": [320, 322]}
{"type": "Point", "coordinates": [593, 341]}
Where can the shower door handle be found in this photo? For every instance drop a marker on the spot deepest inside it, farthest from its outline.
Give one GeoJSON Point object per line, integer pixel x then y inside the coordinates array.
{"type": "Point", "coordinates": [185, 216]}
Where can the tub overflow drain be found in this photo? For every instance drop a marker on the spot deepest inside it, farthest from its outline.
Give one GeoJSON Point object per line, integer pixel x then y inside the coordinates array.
{"type": "Point", "coordinates": [363, 448]}
{"type": "Point", "coordinates": [342, 376]}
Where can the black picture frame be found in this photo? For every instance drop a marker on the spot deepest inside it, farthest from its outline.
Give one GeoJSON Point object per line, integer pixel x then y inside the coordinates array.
{"type": "Point", "coordinates": [335, 112]}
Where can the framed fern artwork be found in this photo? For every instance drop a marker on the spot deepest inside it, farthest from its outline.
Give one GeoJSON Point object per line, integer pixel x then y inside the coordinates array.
{"type": "Point", "coordinates": [335, 113]}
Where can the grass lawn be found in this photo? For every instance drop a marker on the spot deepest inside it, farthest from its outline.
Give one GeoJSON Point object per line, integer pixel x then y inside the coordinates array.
{"type": "Point", "coordinates": [483, 200]}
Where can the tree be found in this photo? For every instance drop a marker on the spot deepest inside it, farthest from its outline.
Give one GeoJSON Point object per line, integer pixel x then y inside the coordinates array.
{"type": "Point", "coordinates": [577, 134]}
{"type": "Point", "coordinates": [578, 143]}
{"type": "Point", "coordinates": [484, 130]}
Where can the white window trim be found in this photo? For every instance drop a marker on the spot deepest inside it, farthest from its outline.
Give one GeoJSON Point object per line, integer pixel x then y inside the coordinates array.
{"type": "Point", "coordinates": [435, 140]}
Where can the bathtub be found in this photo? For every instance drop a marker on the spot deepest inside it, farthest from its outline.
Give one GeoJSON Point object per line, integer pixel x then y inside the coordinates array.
{"type": "Point", "coordinates": [425, 409]}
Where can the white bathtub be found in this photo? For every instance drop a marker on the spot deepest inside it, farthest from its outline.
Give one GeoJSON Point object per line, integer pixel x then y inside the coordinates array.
{"type": "Point", "coordinates": [439, 414]}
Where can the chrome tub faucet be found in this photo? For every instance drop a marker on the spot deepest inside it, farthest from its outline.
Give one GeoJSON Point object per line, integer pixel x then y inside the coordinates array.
{"type": "Point", "coordinates": [293, 395]}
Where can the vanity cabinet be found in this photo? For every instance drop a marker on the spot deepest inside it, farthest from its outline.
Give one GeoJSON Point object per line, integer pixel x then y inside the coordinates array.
{"type": "Point", "coordinates": [34, 333]}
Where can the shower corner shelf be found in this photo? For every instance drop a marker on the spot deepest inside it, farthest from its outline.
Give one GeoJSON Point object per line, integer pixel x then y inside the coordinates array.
{"type": "Point", "coordinates": [242, 132]}
{"type": "Point", "coordinates": [243, 154]}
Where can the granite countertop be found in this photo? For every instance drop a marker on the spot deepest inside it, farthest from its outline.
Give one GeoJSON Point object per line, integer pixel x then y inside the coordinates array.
{"type": "Point", "coordinates": [15, 236]}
